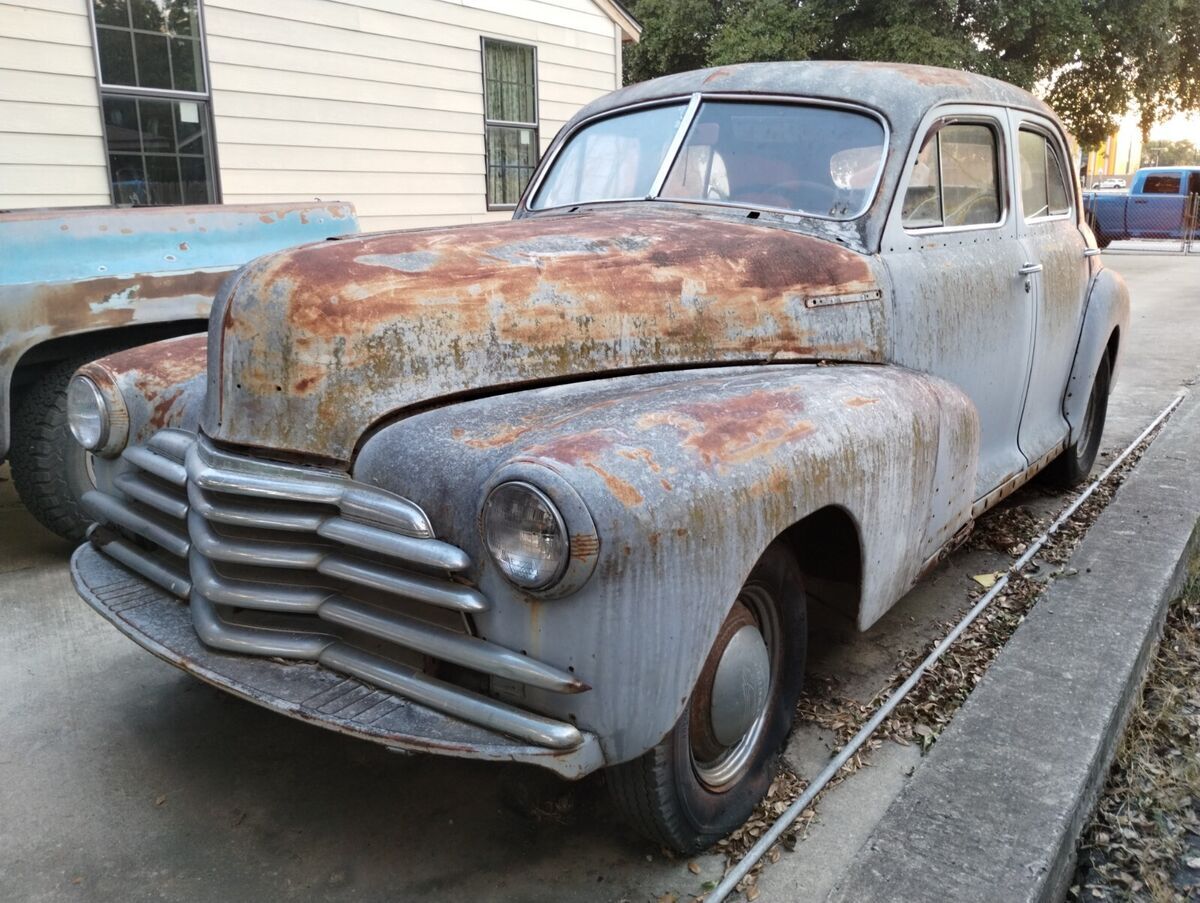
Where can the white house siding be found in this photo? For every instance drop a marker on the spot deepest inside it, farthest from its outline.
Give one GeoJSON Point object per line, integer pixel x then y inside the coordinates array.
{"type": "Point", "coordinates": [381, 102]}
{"type": "Point", "coordinates": [51, 150]}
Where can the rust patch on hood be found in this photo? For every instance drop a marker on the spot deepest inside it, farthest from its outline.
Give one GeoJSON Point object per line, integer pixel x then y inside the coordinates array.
{"type": "Point", "coordinates": [319, 343]}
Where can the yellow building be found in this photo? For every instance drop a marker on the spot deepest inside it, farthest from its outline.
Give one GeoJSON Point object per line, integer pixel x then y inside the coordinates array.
{"type": "Point", "coordinates": [1119, 155]}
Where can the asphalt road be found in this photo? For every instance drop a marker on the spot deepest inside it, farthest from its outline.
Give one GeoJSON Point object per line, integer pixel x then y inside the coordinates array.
{"type": "Point", "coordinates": [123, 779]}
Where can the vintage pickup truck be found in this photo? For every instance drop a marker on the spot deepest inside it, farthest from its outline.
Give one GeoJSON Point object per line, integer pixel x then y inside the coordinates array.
{"type": "Point", "coordinates": [79, 283]}
{"type": "Point", "coordinates": [1161, 203]}
{"type": "Point", "coordinates": [560, 490]}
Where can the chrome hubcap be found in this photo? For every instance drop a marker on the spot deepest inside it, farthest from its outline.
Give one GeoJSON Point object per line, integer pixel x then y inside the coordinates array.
{"type": "Point", "coordinates": [740, 686]}
{"type": "Point", "coordinates": [733, 695]}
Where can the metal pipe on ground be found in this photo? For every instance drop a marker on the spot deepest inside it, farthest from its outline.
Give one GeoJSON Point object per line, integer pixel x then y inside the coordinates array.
{"type": "Point", "coordinates": [764, 844]}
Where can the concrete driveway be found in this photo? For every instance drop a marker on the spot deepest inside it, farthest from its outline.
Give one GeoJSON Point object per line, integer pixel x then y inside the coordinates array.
{"type": "Point", "coordinates": [123, 779]}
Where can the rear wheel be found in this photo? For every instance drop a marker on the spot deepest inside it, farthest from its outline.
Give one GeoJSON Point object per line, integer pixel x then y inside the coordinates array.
{"type": "Point", "coordinates": [705, 777]}
{"type": "Point", "coordinates": [1073, 465]}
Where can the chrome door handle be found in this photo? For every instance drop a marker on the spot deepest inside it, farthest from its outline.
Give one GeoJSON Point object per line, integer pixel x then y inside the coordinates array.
{"type": "Point", "coordinates": [1030, 268]}
{"type": "Point", "coordinates": [1091, 252]}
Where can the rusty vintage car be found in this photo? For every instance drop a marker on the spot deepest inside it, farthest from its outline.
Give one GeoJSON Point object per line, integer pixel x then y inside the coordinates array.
{"type": "Point", "coordinates": [558, 491]}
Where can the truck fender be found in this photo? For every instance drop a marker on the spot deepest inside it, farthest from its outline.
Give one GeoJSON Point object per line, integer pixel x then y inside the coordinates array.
{"type": "Point", "coordinates": [685, 478]}
{"type": "Point", "coordinates": [1106, 314]}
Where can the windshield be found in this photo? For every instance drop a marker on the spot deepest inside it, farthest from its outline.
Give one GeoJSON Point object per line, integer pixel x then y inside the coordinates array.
{"type": "Point", "coordinates": [816, 160]}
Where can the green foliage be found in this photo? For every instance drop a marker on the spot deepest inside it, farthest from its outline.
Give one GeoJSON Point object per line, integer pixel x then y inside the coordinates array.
{"type": "Point", "coordinates": [1171, 153]}
{"type": "Point", "coordinates": [1091, 59]}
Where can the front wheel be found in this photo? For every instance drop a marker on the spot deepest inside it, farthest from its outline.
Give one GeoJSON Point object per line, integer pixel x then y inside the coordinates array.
{"type": "Point", "coordinates": [705, 777]}
{"type": "Point", "coordinates": [50, 470]}
{"type": "Point", "coordinates": [1073, 465]}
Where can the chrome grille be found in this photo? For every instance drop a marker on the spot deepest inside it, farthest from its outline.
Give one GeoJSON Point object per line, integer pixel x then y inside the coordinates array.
{"type": "Point", "coordinates": [306, 564]}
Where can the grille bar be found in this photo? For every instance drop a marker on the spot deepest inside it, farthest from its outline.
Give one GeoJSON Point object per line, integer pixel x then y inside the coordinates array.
{"type": "Point", "coordinates": [168, 576]}
{"type": "Point", "coordinates": [150, 525]}
{"type": "Point", "coordinates": [137, 486]}
{"type": "Point", "coordinates": [212, 469]}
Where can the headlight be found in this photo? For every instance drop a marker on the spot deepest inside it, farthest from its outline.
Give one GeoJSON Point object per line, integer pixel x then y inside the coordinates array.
{"type": "Point", "coordinates": [525, 534]}
{"type": "Point", "coordinates": [98, 424]}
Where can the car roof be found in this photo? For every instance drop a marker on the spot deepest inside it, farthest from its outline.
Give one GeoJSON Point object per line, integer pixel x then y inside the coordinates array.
{"type": "Point", "coordinates": [902, 92]}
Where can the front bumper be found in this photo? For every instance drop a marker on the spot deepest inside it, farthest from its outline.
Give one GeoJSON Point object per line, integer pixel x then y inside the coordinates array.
{"type": "Point", "coordinates": [162, 624]}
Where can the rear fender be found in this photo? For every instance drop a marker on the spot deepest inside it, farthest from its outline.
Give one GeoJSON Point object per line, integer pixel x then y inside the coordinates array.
{"type": "Point", "coordinates": [687, 477]}
{"type": "Point", "coordinates": [1107, 312]}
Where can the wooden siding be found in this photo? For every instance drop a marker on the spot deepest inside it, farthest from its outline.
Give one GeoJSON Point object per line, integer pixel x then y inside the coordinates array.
{"type": "Point", "coordinates": [354, 100]}
{"type": "Point", "coordinates": [346, 99]}
{"type": "Point", "coordinates": [51, 150]}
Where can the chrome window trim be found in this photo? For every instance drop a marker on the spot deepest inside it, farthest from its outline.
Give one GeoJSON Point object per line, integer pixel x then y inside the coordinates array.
{"type": "Point", "coordinates": [695, 101]}
{"type": "Point", "coordinates": [1029, 125]}
{"type": "Point", "coordinates": [1001, 174]}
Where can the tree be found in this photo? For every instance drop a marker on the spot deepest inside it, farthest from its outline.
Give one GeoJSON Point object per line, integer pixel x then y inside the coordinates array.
{"type": "Point", "coordinates": [1172, 153]}
{"type": "Point", "coordinates": [1092, 59]}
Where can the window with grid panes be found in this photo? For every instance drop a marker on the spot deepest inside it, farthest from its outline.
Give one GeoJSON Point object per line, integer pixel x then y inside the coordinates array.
{"type": "Point", "coordinates": [510, 119]}
{"type": "Point", "coordinates": [155, 101]}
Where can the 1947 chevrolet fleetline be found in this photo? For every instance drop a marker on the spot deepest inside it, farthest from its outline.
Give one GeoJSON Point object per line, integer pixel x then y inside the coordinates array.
{"type": "Point", "coordinates": [559, 490]}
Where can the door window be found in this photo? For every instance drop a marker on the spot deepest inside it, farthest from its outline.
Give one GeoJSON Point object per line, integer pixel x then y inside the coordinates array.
{"type": "Point", "coordinates": [955, 179]}
{"type": "Point", "coordinates": [1162, 183]}
{"type": "Point", "coordinates": [1043, 187]}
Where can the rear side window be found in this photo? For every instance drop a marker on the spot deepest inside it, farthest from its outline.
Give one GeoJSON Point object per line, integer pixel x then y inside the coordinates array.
{"type": "Point", "coordinates": [1162, 183]}
{"type": "Point", "coordinates": [1043, 187]}
{"type": "Point", "coordinates": [955, 179]}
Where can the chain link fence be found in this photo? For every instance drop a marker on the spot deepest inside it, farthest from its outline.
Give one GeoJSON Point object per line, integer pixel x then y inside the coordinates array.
{"type": "Point", "coordinates": [1155, 223]}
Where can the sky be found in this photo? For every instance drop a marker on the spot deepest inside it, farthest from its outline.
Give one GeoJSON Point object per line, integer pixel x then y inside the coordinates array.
{"type": "Point", "coordinates": [1178, 128]}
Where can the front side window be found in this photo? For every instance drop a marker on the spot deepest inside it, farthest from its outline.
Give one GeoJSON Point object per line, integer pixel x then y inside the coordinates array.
{"type": "Point", "coordinates": [154, 100]}
{"type": "Point", "coordinates": [955, 180]}
{"type": "Point", "coordinates": [510, 119]}
{"type": "Point", "coordinates": [1043, 189]}
{"type": "Point", "coordinates": [815, 160]}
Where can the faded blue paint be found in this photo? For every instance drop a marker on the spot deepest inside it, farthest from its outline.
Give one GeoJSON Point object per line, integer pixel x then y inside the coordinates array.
{"type": "Point", "coordinates": [62, 245]}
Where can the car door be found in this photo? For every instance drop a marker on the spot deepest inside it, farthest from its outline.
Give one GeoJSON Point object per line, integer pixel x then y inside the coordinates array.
{"type": "Point", "coordinates": [961, 310]}
{"type": "Point", "coordinates": [1057, 277]}
{"type": "Point", "coordinates": [1158, 211]}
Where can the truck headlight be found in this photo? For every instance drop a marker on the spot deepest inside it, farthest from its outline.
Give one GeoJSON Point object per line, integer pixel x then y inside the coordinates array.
{"type": "Point", "coordinates": [525, 534]}
{"type": "Point", "coordinates": [98, 423]}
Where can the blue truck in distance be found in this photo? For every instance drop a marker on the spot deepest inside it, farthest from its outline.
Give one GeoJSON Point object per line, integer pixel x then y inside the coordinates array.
{"type": "Point", "coordinates": [1161, 203]}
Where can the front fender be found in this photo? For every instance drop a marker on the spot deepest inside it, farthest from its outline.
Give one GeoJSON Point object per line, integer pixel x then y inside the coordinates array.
{"type": "Point", "coordinates": [161, 385]}
{"type": "Point", "coordinates": [687, 477]}
{"type": "Point", "coordinates": [1107, 312]}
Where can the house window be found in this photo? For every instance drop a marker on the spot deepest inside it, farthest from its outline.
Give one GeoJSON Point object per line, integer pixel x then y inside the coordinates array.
{"type": "Point", "coordinates": [155, 101]}
{"type": "Point", "coordinates": [510, 120]}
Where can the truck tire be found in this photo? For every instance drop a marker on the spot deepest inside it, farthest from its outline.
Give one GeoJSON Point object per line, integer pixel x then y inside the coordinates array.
{"type": "Point", "coordinates": [1073, 466]}
{"type": "Point", "coordinates": [50, 469]}
{"type": "Point", "coordinates": [692, 789]}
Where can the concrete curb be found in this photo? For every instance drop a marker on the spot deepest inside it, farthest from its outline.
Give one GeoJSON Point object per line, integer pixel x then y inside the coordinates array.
{"type": "Point", "coordinates": [997, 807]}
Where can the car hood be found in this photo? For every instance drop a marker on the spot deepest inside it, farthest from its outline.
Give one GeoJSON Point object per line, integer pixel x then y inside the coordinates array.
{"type": "Point", "coordinates": [315, 345]}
